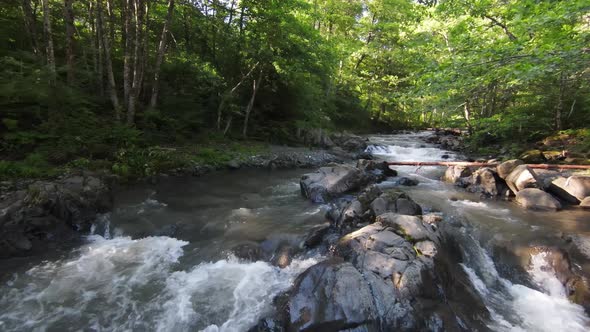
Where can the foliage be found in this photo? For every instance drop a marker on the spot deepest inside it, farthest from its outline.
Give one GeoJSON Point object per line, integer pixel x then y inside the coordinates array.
{"type": "Point", "coordinates": [510, 70]}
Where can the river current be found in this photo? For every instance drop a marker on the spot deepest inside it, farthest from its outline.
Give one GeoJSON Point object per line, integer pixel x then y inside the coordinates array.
{"type": "Point", "coordinates": [161, 261]}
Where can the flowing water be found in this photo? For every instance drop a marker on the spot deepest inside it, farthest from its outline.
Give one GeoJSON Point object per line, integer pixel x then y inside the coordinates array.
{"type": "Point", "coordinates": [161, 260]}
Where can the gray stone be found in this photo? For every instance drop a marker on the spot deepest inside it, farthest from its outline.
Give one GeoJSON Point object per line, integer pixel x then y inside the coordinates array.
{"type": "Point", "coordinates": [409, 226]}
{"type": "Point", "coordinates": [577, 186]}
{"type": "Point", "coordinates": [331, 295]}
{"type": "Point", "coordinates": [404, 181]}
{"type": "Point", "coordinates": [408, 207]}
{"type": "Point", "coordinates": [559, 187]}
{"type": "Point", "coordinates": [505, 168]}
{"type": "Point", "coordinates": [536, 199]}
{"type": "Point", "coordinates": [454, 173]}
{"type": "Point", "coordinates": [486, 181]}
{"type": "Point", "coordinates": [522, 177]}
{"type": "Point", "coordinates": [329, 182]}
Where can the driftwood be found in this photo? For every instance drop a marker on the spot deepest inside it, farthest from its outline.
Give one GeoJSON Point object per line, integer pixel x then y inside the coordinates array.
{"type": "Point", "coordinates": [478, 164]}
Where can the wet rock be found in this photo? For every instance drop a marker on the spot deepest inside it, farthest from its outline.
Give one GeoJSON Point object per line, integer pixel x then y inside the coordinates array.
{"type": "Point", "coordinates": [50, 212]}
{"type": "Point", "coordinates": [454, 173]}
{"type": "Point", "coordinates": [330, 296]}
{"type": "Point", "coordinates": [536, 199]}
{"type": "Point", "coordinates": [505, 168]}
{"type": "Point", "coordinates": [283, 257]}
{"type": "Point", "coordinates": [316, 235]}
{"type": "Point", "coordinates": [404, 181]}
{"type": "Point", "coordinates": [250, 251]}
{"type": "Point", "coordinates": [329, 182]}
{"type": "Point", "coordinates": [532, 157]}
{"type": "Point", "coordinates": [268, 325]}
{"type": "Point", "coordinates": [522, 177]}
{"type": "Point", "coordinates": [364, 155]}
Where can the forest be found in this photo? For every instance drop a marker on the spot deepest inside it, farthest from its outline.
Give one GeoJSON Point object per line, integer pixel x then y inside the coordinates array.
{"type": "Point", "coordinates": [112, 83]}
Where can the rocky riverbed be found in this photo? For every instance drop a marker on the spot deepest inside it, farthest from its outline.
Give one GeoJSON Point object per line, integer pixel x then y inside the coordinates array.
{"type": "Point", "coordinates": [353, 245]}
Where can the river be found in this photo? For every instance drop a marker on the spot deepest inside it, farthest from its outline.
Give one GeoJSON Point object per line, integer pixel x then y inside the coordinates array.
{"type": "Point", "coordinates": [162, 259]}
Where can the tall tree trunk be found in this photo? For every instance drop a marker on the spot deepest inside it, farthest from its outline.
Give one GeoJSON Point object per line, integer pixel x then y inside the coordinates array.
{"type": "Point", "coordinates": [48, 40]}
{"type": "Point", "coordinates": [126, 11]}
{"type": "Point", "coordinates": [108, 62]}
{"type": "Point", "coordinates": [255, 87]}
{"type": "Point", "coordinates": [97, 51]}
{"type": "Point", "coordinates": [137, 60]}
{"type": "Point", "coordinates": [160, 55]}
{"type": "Point", "coordinates": [31, 25]}
{"type": "Point", "coordinates": [69, 22]}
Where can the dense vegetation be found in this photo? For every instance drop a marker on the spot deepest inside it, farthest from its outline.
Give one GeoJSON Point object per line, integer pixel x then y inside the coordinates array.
{"type": "Point", "coordinates": [92, 80]}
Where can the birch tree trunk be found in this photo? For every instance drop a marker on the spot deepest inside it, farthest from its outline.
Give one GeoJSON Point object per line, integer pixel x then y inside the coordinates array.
{"type": "Point", "coordinates": [104, 39]}
{"type": "Point", "coordinates": [255, 87]}
{"type": "Point", "coordinates": [48, 40]}
{"type": "Point", "coordinates": [69, 22]}
{"type": "Point", "coordinates": [139, 16]}
{"type": "Point", "coordinates": [160, 55]}
{"type": "Point", "coordinates": [31, 25]}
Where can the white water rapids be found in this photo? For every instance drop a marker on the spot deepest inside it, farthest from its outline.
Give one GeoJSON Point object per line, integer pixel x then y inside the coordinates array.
{"type": "Point", "coordinates": [123, 284]}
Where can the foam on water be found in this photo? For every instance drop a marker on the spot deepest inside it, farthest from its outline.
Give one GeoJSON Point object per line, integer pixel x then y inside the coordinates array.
{"type": "Point", "coordinates": [515, 307]}
{"type": "Point", "coordinates": [230, 295]}
{"type": "Point", "coordinates": [122, 284]}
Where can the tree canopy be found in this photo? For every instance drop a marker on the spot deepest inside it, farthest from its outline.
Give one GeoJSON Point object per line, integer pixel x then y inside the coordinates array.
{"type": "Point", "coordinates": [85, 78]}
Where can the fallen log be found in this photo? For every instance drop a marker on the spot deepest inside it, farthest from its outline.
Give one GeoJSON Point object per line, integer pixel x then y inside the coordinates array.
{"type": "Point", "coordinates": [480, 164]}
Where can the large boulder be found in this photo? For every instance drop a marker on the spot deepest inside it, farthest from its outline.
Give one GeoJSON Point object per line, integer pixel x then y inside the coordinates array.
{"type": "Point", "coordinates": [346, 213]}
{"type": "Point", "coordinates": [349, 142]}
{"type": "Point", "coordinates": [48, 213]}
{"type": "Point", "coordinates": [522, 177]}
{"type": "Point", "coordinates": [537, 199]}
{"type": "Point", "coordinates": [330, 296]}
{"type": "Point", "coordinates": [330, 182]}
{"type": "Point", "coordinates": [585, 203]}
{"type": "Point", "coordinates": [505, 168]}
{"type": "Point", "coordinates": [573, 189]}
{"type": "Point", "coordinates": [454, 174]}
{"type": "Point", "coordinates": [395, 201]}
{"type": "Point", "coordinates": [486, 182]}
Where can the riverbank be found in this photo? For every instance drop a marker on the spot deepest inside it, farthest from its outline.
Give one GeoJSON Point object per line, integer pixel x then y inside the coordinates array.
{"type": "Point", "coordinates": [41, 213]}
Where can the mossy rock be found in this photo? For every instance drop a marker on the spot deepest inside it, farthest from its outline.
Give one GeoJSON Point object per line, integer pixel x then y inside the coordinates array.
{"type": "Point", "coordinates": [553, 155]}
{"type": "Point", "coordinates": [532, 157]}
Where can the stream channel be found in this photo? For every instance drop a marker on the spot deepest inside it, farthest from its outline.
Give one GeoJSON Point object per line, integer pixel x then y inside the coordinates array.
{"type": "Point", "coordinates": [162, 259]}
